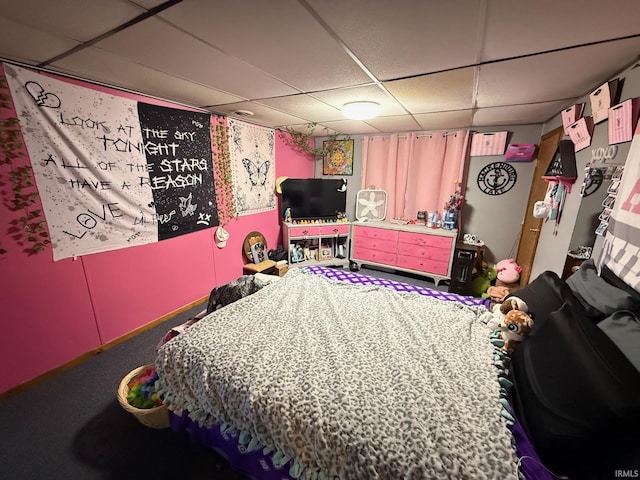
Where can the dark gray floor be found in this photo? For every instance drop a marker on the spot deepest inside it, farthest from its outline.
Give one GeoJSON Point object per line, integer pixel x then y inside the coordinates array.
{"type": "Point", "coordinates": [71, 426]}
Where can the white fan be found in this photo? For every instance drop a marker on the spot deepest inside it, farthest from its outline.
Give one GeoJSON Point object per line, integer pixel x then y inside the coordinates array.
{"type": "Point", "coordinates": [371, 204]}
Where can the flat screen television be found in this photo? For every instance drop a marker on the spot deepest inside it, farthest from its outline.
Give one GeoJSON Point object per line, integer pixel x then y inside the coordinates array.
{"type": "Point", "coordinates": [314, 198]}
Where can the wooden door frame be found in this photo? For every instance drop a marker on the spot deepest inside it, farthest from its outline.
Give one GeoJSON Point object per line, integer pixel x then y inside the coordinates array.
{"type": "Point", "coordinates": [531, 225]}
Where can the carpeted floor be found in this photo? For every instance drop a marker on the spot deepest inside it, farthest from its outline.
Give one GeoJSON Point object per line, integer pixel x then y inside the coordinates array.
{"type": "Point", "coordinates": [71, 426]}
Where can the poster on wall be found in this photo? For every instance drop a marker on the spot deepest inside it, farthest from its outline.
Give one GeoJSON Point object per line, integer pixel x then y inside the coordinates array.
{"type": "Point", "coordinates": [339, 157]}
{"type": "Point", "coordinates": [252, 153]}
{"type": "Point", "coordinates": [178, 152]}
{"type": "Point", "coordinates": [89, 154]}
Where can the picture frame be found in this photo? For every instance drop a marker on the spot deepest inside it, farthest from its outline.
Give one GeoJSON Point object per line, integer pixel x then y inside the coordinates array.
{"type": "Point", "coordinates": [258, 252]}
{"type": "Point", "coordinates": [613, 188]}
{"type": "Point", "coordinates": [609, 201]}
{"type": "Point", "coordinates": [255, 247]}
{"type": "Point", "coordinates": [617, 174]}
{"type": "Point", "coordinates": [605, 215]}
{"type": "Point", "coordinates": [602, 228]}
{"type": "Point", "coordinates": [339, 157]}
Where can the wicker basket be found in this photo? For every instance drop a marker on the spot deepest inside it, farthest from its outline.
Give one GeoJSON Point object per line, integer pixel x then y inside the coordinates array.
{"type": "Point", "coordinates": [156, 417]}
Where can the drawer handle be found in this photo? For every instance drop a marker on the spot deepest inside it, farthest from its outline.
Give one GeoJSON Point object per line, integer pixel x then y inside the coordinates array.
{"type": "Point", "coordinates": [305, 232]}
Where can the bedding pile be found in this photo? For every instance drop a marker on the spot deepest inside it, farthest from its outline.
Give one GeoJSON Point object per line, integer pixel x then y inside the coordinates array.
{"type": "Point", "coordinates": [346, 381]}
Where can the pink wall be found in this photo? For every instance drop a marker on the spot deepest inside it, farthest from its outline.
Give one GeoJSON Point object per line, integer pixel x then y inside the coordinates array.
{"type": "Point", "coordinates": [53, 312]}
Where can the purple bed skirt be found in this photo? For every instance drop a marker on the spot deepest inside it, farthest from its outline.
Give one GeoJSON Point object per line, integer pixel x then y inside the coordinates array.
{"type": "Point", "coordinates": [256, 465]}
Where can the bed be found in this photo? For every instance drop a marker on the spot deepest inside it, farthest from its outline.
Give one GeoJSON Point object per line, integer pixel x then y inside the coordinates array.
{"type": "Point", "coordinates": [331, 374]}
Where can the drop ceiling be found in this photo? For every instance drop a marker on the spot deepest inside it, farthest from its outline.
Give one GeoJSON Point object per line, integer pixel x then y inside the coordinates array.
{"type": "Point", "coordinates": [431, 65]}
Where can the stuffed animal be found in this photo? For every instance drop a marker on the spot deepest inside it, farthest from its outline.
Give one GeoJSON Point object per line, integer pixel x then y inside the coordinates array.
{"type": "Point", "coordinates": [516, 325]}
{"type": "Point", "coordinates": [497, 293]}
{"type": "Point", "coordinates": [511, 319]}
{"type": "Point", "coordinates": [514, 303]}
{"type": "Point", "coordinates": [493, 318]}
{"type": "Point", "coordinates": [481, 282]}
{"type": "Point", "coordinates": [508, 270]}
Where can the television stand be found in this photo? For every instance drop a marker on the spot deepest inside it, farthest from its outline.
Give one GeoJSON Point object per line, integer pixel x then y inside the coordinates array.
{"type": "Point", "coordinates": [317, 243]}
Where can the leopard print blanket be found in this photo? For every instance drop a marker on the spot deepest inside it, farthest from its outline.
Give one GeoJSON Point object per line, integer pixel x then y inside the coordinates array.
{"type": "Point", "coordinates": [346, 381]}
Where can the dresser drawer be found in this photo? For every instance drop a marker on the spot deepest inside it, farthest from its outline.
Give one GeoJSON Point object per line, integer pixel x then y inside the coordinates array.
{"type": "Point", "coordinates": [423, 265]}
{"type": "Point", "coordinates": [365, 254]}
{"type": "Point", "coordinates": [431, 253]}
{"type": "Point", "coordinates": [334, 230]}
{"type": "Point", "coordinates": [424, 239]}
{"type": "Point", "coordinates": [306, 231]}
{"type": "Point", "coordinates": [374, 244]}
{"type": "Point", "coordinates": [372, 232]}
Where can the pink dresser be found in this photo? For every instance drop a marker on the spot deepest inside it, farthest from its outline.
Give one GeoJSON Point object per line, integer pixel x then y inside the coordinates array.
{"type": "Point", "coordinates": [411, 248]}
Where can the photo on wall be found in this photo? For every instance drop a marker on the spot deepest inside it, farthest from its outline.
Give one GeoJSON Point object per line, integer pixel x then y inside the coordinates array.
{"type": "Point", "coordinates": [339, 159]}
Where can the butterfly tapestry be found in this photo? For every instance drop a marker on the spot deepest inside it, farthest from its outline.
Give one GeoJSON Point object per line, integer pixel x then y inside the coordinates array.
{"type": "Point", "coordinates": [252, 155]}
{"type": "Point", "coordinates": [257, 173]}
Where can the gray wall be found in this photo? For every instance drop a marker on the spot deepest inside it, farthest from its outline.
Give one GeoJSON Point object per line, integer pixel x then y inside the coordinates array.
{"type": "Point", "coordinates": [497, 219]}
{"type": "Point", "coordinates": [552, 249]}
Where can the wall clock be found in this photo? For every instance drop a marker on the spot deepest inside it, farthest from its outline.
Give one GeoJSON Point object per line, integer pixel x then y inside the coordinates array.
{"type": "Point", "coordinates": [497, 178]}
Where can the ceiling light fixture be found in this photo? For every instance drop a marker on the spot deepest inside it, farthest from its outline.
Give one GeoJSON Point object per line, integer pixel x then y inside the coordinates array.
{"type": "Point", "coordinates": [243, 113]}
{"type": "Point", "coordinates": [360, 110]}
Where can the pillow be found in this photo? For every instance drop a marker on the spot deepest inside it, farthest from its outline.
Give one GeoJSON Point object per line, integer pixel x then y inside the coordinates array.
{"type": "Point", "coordinates": [597, 294]}
{"type": "Point", "coordinates": [623, 328]}
{"type": "Point", "coordinates": [612, 279]}
{"type": "Point", "coordinates": [576, 395]}
{"type": "Point", "coordinates": [544, 295]}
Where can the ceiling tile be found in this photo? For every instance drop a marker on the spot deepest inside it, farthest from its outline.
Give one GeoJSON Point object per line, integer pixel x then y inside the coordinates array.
{"type": "Point", "coordinates": [436, 92]}
{"type": "Point", "coordinates": [293, 47]}
{"type": "Point", "coordinates": [445, 120]}
{"type": "Point", "coordinates": [405, 37]}
{"type": "Point", "coordinates": [262, 115]}
{"type": "Point", "coordinates": [546, 25]}
{"type": "Point", "coordinates": [518, 115]}
{"type": "Point", "coordinates": [554, 76]}
{"type": "Point", "coordinates": [71, 19]}
{"type": "Point", "coordinates": [34, 46]}
{"type": "Point", "coordinates": [104, 67]}
{"type": "Point", "coordinates": [161, 47]}
{"type": "Point", "coordinates": [300, 61]}
{"type": "Point", "coordinates": [370, 93]}
{"type": "Point", "coordinates": [304, 106]}
{"type": "Point", "coordinates": [399, 123]}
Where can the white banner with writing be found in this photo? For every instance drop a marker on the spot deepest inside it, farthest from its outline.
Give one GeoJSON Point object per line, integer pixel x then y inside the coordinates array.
{"type": "Point", "coordinates": [94, 166]}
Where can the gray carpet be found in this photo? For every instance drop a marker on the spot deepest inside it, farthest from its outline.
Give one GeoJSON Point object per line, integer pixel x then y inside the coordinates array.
{"type": "Point", "coordinates": [71, 426]}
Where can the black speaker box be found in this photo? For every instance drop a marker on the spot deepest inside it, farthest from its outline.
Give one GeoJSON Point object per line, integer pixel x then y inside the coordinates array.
{"type": "Point", "coordinates": [461, 272]}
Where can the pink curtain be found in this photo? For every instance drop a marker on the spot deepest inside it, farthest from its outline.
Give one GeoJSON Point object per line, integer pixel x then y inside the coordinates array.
{"type": "Point", "coordinates": [418, 171]}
